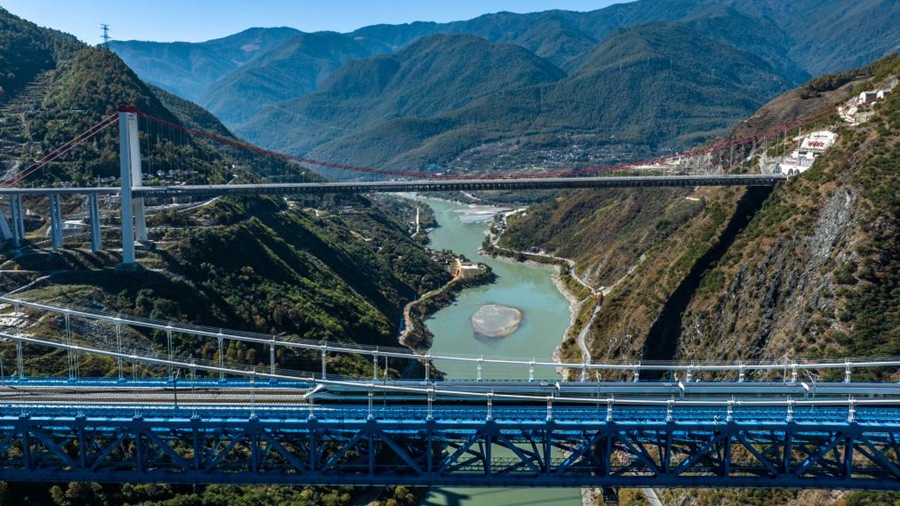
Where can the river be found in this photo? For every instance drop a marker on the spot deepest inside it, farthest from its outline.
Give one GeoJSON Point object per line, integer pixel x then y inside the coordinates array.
{"type": "Point", "coordinates": [546, 317]}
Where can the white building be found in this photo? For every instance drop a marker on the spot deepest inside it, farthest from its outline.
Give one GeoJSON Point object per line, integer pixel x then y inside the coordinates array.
{"type": "Point", "coordinates": [867, 97]}
{"type": "Point", "coordinates": [811, 147]}
{"type": "Point", "coordinates": [856, 110]}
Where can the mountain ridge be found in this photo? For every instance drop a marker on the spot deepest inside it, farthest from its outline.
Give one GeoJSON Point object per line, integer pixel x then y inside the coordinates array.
{"type": "Point", "coordinates": [857, 33]}
{"type": "Point", "coordinates": [295, 67]}
{"type": "Point", "coordinates": [186, 68]}
{"type": "Point", "coordinates": [434, 75]}
{"type": "Point", "coordinates": [637, 86]}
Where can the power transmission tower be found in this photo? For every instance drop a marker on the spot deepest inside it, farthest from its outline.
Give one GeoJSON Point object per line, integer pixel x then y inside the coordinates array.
{"type": "Point", "coordinates": [105, 28]}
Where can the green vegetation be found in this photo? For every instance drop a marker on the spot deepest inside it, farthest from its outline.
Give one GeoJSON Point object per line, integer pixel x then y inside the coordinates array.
{"type": "Point", "coordinates": [429, 102]}
{"type": "Point", "coordinates": [294, 68]}
{"type": "Point", "coordinates": [237, 74]}
{"type": "Point", "coordinates": [187, 69]}
{"type": "Point", "coordinates": [435, 75]}
{"type": "Point", "coordinates": [875, 303]}
{"type": "Point", "coordinates": [609, 229]}
{"type": "Point", "coordinates": [92, 494]}
{"type": "Point", "coordinates": [814, 273]}
{"type": "Point", "coordinates": [27, 50]}
{"type": "Point", "coordinates": [830, 82]}
{"type": "Point", "coordinates": [75, 87]}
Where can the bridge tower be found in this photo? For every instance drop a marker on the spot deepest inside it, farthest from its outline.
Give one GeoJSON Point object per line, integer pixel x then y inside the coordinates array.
{"type": "Point", "coordinates": [134, 224]}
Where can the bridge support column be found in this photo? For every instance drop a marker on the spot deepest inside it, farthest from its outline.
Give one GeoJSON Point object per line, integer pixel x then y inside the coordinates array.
{"type": "Point", "coordinates": [272, 359]}
{"type": "Point", "coordinates": [20, 213]}
{"type": "Point", "coordinates": [17, 216]}
{"type": "Point", "coordinates": [5, 231]}
{"type": "Point", "coordinates": [56, 232]}
{"type": "Point", "coordinates": [20, 361]}
{"type": "Point", "coordinates": [134, 224]}
{"type": "Point", "coordinates": [221, 340]}
{"type": "Point", "coordinates": [169, 346]}
{"type": "Point", "coordinates": [70, 355]}
{"type": "Point", "coordinates": [94, 208]}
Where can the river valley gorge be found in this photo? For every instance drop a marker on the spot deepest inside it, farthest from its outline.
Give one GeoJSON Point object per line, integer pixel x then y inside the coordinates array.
{"type": "Point", "coordinates": [526, 287]}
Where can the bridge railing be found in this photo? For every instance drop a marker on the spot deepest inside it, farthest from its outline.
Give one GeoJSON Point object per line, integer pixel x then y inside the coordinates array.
{"type": "Point", "coordinates": [790, 370]}
{"type": "Point", "coordinates": [430, 393]}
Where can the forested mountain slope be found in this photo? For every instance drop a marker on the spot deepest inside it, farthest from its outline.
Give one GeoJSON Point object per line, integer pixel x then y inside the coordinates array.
{"type": "Point", "coordinates": [661, 85]}
{"type": "Point", "coordinates": [808, 269]}
{"type": "Point", "coordinates": [357, 262]}
{"type": "Point", "coordinates": [294, 68]}
{"type": "Point", "coordinates": [187, 69]}
{"type": "Point", "coordinates": [435, 75]}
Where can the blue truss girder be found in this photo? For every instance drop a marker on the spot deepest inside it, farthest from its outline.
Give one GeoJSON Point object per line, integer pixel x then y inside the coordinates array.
{"type": "Point", "coordinates": [207, 449]}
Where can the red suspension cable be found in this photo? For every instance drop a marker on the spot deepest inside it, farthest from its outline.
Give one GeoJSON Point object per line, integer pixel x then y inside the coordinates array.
{"type": "Point", "coordinates": [60, 151]}
{"type": "Point", "coordinates": [425, 175]}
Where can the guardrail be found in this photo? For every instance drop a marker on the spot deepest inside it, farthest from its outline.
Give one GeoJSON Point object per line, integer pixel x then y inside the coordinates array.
{"type": "Point", "coordinates": [430, 392]}
{"type": "Point", "coordinates": [790, 369]}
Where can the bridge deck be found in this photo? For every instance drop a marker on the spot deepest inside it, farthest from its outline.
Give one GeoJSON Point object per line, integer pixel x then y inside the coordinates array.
{"type": "Point", "coordinates": [430, 185]}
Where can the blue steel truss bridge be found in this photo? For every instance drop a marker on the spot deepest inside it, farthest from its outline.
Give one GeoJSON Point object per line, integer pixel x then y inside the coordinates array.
{"type": "Point", "coordinates": [159, 417]}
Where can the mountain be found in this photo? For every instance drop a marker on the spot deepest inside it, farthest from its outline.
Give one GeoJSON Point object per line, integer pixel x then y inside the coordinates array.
{"type": "Point", "coordinates": [554, 35]}
{"type": "Point", "coordinates": [659, 82]}
{"type": "Point", "coordinates": [664, 85]}
{"type": "Point", "coordinates": [187, 69]}
{"type": "Point", "coordinates": [437, 74]}
{"type": "Point", "coordinates": [807, 269]}
{"type": "Point", "coordinates": [294, 68]}
{"type": "Point", "coordinates": [831, 35]}
{"type": "Point", "coordinates": [79, 86]}
{"type": "Point", "coordinates": [796, 39]}
{"type": "Point", "coordinates": [27, 50]}
{"type": "Point", "coordinates": [369, 277]}
{"type": "Point", "coordinates": [820, 35]}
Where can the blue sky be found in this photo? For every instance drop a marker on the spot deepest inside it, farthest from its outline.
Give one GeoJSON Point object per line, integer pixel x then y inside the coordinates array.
{"type": "Point", "coordinates": [199, 20]}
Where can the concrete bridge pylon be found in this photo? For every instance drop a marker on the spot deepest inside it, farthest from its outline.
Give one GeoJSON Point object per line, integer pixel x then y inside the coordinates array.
{"type": "Point", "coordinates": [134, 221]}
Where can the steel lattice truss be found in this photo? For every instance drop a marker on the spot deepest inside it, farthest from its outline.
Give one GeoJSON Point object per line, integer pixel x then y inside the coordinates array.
{"type": "Point", "coordinates": [431, 452]}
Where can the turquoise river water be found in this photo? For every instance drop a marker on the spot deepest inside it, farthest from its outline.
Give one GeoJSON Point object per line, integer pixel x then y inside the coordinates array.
{"type": "Point", "coordinates": [546, 317]}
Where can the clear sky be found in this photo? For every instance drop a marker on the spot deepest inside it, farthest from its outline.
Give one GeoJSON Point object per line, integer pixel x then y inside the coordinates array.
{"type": "Point", "coordinates": [199, 20]}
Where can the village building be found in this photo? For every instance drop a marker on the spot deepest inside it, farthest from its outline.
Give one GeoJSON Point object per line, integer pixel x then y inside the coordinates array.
{"type": "Point", "coordinates": [811, 147]}
{"type": "Point", "coordinates": [467, 270]}
{"type": "Point", "coordinates": [857, 110]}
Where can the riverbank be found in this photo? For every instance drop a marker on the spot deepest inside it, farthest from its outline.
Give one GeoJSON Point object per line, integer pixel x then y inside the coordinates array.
{"type": "Point", "coordinates": [584, 300]}
{"type": "Point", "coordinates": [416, 335]}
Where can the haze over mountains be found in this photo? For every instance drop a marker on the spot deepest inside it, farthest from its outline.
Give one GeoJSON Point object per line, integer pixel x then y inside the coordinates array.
{"type": "Point", "coordinates": [660, 73]}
